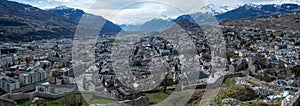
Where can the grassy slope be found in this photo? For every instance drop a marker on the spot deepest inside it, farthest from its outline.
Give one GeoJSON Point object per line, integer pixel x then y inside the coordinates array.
{"type": "Point", "coordinates": [58, 102]}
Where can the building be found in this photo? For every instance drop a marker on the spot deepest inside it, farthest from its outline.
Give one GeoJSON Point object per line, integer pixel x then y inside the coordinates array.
{"type": "Point", "coordinates": [60, 72]}
{"type": "Point", "coordinates": [7, 84]}
{"type": "Point", "coordinates": [239, 65]}
{"type": "Point", "coordinates": [54, 89]}
{"type": "Point", "coordinates": [45, 63]}
{"type": "Point", "coordinates": [8, 50]}
{"type": "Point", "coordinates": [32, 77]}
{"type": "Point", "coordinates": [5, 60]}
{"type": "Point", "coordinates": [44, 87]}
{"type": "Point", "coordinates": [164, 52]}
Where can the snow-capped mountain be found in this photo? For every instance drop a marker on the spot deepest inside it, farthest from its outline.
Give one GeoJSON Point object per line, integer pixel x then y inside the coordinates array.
{"type": "Point", "coordinates": [219, 7]}
{"type": "Point", "coordinates": [222, 13]}
{"type": "Point", "coordinates": [253, 10]}
{"type": "Point", "coordinates": [71, 14]}
{"type": "Point", "coordinates": [63, 8]}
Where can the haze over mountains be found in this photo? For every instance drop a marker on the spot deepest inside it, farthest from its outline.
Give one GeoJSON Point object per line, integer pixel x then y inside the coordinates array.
{"type": "Point", "coordinates": [245, 11]}
{"type": "Point", "coordinates": [24, 22]}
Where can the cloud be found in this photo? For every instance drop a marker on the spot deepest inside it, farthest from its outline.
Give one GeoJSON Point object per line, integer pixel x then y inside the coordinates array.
{"type": "Point", "coordinates": [63, 0]}
{"type": "Point", "coordinates": [123, 11]}
{"type": "Point", "coordinates": [144, 12]}
{"type": "Point", "coordinates": [46, 4]}
{"type": "Point", "coordinates": [138, 11]}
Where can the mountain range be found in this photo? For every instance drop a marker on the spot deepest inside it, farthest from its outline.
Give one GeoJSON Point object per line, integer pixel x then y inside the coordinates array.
{"type": "Point", "coordinates": [242, 12]}
{"type": "Point", "coordinates": [23, 22]}
{"type": "Point", "coordinates": [26, 23]}
{"type": "Point", "coordinates": [218, 14]}
{"type": "Point", "coordinates": [249, 11]}
{"type": "Point", "coordinates": [74, 15]}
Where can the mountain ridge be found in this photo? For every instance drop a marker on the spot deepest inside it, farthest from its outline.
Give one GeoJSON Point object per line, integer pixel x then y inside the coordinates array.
{"type": "Point", "coordinates": [249, 11]}
{"type": "Point", "coordinates": [74, 15]}
{"type": "Point", "coordinates": [242, 12]}
{"type": "Point", "coordinates": [22, 22]}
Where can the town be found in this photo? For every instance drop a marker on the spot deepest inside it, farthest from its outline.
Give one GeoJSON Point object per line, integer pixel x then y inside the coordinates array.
{"type": "Point", "coordinates": [264, 57]}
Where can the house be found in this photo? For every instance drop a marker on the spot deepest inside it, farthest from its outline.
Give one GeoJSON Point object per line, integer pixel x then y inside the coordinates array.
{"type": "Point", "coordinates": [60, 72]}
{"type": "Point", "coordinates": [5, 60]}
{"type": "Point", "coordinates": [45, 63]}
{"type": "Point", "coordinates": [238, 65]}
{"type": "Point", "coordinates": [164, 52]}
{"type": "Point", "coordinates": [32, 77]}
{"type": "Point", "coordinates": [44, 87]}
{"type": "Point", "coordinates": [7, 84]}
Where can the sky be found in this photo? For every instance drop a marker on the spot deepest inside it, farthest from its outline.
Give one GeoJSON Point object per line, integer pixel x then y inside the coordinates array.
{"type": "Point", "coordinates": [140, 11]}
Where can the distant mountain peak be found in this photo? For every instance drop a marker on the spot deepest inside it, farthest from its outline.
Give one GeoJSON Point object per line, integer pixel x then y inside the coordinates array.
{"type": "Point", "coordinates": [62, 7]}
{"type": "Point", "coordinates": [217, 9]}
{"type": "Point", "coordinates": [74, 15]}
{"type": "Point", "coordinates": [258, 10]}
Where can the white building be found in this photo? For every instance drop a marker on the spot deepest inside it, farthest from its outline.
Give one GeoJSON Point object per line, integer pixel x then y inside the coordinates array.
{"type": "Point", "coordinates": [45, 88]}
{"type": "Point", "coordinates": [7, 84]}
{"type": "Point", "coordinates": [5, 60]}
{"type": "Point", "coordinates": [32, 77]}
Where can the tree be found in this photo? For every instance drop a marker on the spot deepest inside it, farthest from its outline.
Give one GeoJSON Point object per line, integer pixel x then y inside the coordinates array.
{"type": "Point", "coordinates": [44, 66]}
{"type": "Point", "coordinates": [168, 82]}
{"type": "Point", "coordinates": [80, 100]}
{"type": "Point", "coordinates": [56, 55]}
{"type": "Point", "coordinates": [137, 63]}
{"type": "Point", "coordinates": [296, 70]}
{"type": "Point", "coordinates": [297, 44]}
{"type": "Point", "coordinates": [165, 83]}
{"type": "Point", "coordinates": [27, 60]}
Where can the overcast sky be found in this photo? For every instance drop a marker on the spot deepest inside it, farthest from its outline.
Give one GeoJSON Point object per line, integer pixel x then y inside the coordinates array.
{"type": "Point", "coordinates": [139, 11]}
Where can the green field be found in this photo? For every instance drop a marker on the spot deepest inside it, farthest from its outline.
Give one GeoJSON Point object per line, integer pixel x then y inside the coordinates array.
{"type": "Point", "coordinates": [159, 96]}
{"type": "Point", "coordinates": [102, 101]}
{"type": "Point", "coordinates": [80, 100]}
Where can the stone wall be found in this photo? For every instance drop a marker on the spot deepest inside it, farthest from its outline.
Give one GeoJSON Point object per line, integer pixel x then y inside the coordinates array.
{"type": "Point", "coordinates": [141, 101]}
{"type": "Point", "coordinates": [23, 96]}
{"type": "Point", "coordinates": [17, 96]}
{"type": "Point", "coordinates": [27, 88]}
{"type": "Point", "coordinates": [217, 83]}
{"type": "Point", "coordinates": [6, 102]}
{"type": "Point", "coordinates": [9, 99]}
